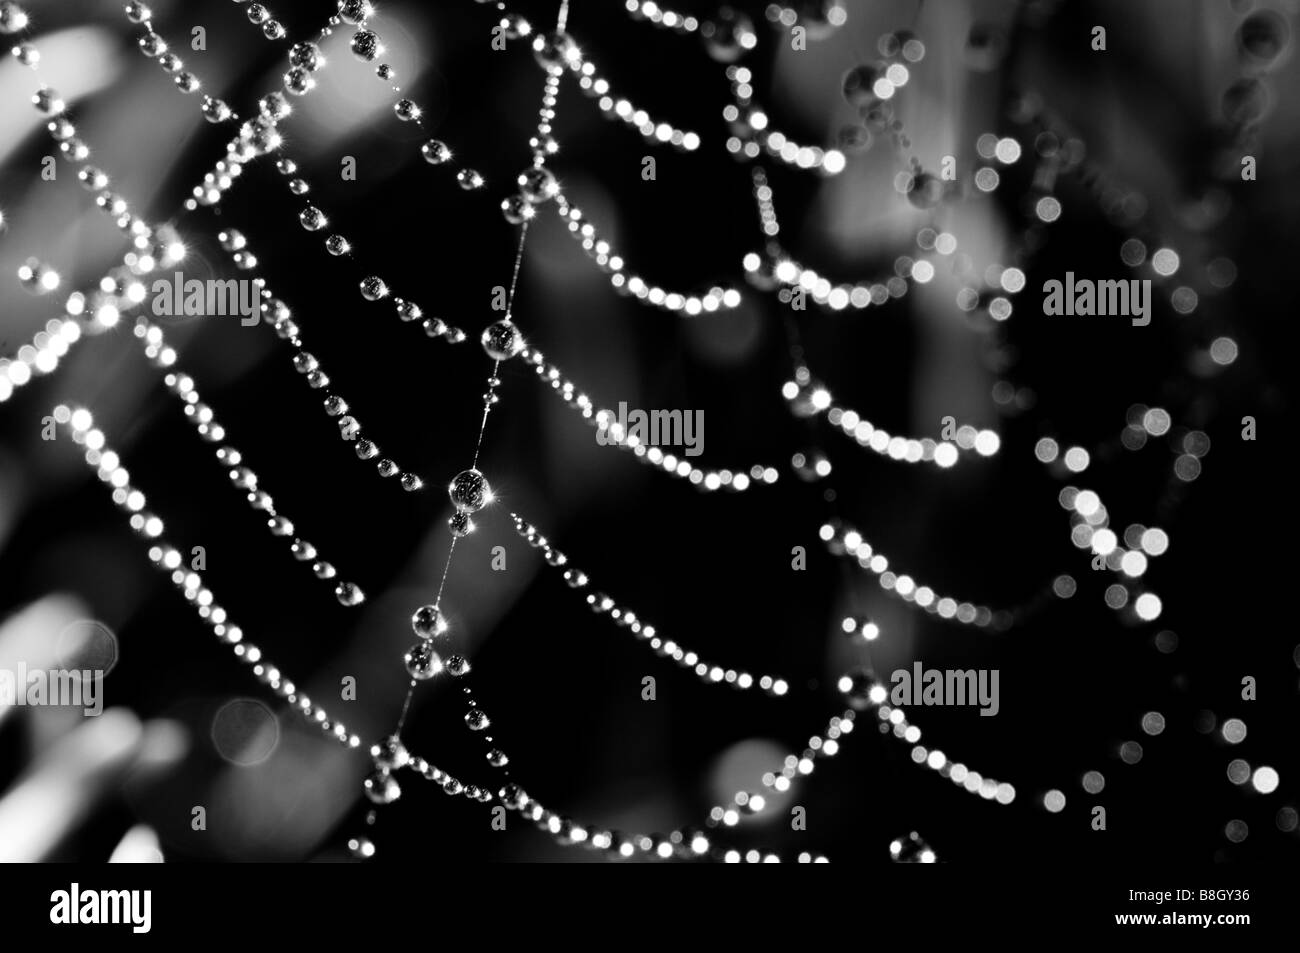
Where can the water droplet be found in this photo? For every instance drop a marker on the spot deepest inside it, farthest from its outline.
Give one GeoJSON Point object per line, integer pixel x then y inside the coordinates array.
{"type": "Point", "coordinates": [422, 662]}
{"type": "Point", "coordinates": [469, 491]}
{"type": "Point", "coordinates": [553, 51]}
{"type": "Point", "coordinates": [12, 17]}
{"type": "Point", "coordinates": [298, 81]}
{"type": "Point", "coordinates": [1263, 35]}
{"type": "Point", "coordinates": [925, 191]}
{"type": "Point", "coordinates": [858, 85]}
{"type": "Point", "coordinates": [435, 152]}
{"type": "Point", "coordinates": [373, 288]}
{"type": "Point", "coordinates": [151, 44]}
{"type": "Point", "coordinates": [390, 754]}
{"type": "Point", "coordinates": [428, 622]}
{"type": "Point", "coordinates": [382, 788]}
{"type": "Point", "coordinates": [355, 11]}
{"type": "Point", "coordinates": [349, 594]}
{"type": "Point", "coordinates": [48, 101]}
{"type": "Point", "coordinates": [516, 209]}
{"type": "Point", "coordinates": [214, 110]}
{"type": "Point", "coordinates": [538, 184]}
{"type": "Point", "coordinates": [1246, 101]}
{"type": "Point", "coordinates": [365, 45]}
{"type": "Point", "coordinates": [729, 36]}
{"type": "Point", "coordinates": [313, 219]}
{"type": "Point", "coordinates": [502, 340]}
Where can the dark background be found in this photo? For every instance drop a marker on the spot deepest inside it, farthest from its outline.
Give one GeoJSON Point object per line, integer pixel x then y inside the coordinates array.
{"type": "Point", "coordinates": [711, 571]}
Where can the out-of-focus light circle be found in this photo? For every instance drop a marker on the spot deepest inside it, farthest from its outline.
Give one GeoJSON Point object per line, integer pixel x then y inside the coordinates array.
{"type": "Point", "coordinates": [86, 645]}
{"type": "Point", "coordinates": [1076, 459]}
{"type": "Point", "coordinates": [1223, 351]}
{"type": "Point", "coordinates": [1165, 261]}
{"type": "Point", "coordinates": [1234, 731]}
{"type": "Point", "coordinates": [1148, 606]}
{"type": "Point", "coordinates": [245, 732]}
{"type": "Point", "coordinates": [1265, 780]}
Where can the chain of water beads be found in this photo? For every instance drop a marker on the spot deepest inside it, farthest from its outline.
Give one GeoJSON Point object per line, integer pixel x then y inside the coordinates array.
{"type": "Point", "coordinates": [557, 51]}
{"type": "Point", "coordinates": [841, 539]}
{"type": "Point", "coordinates": [825, 745]}
{"type": "Point", "coordinates": [549, 48]}
{"type": "Point", "coordinates": [132, 292]}
{"type": "Point", "coordinates": [305, 59]}
{"type": "Point", "coordinates": [629, 283]}
{"type": "Point", "coordinates": [777, 267]}
{"type": "Point", "coordinates": [1001, 281]}
{"type": "Point", "coordinates": [242, 477]}
{"type": "Point", "coordinates": [648, 10]}
{"type": "Point", "coordinates": [864, 692]}
{"type": "Point", "coordinates": [751, 135]}
{"type": "Point", "coordinates": [1090, 530]}
{"type": "Point", "coordinates": [74, 150]}
{"type": "Point", "coordinates": [469, 490]}
{"type": "Point", "coordinates": [261, 137]}
{"type": "Point", "coordinates": [807, 399]}
{"type": "Point", "coordinates": [259, 15]}
{"type": "Point", "coordinates": [601, 604]}
{"type": "Point", "coordinates": [689, 844]}
{"type": "Point", "coordinates": [307, 365]}
{"type": "Point", "coordinates": [155, 47]}
{"type": "Point", "coordinates": [554, 52]}
{"type": "Point", "coordinates": [372, 287]}
{"type": "Point", "coordinates": [392, 756]}
{"type": "Point", "coordinates": [82, 428]}
{"type": "Point", "coordinates": [117, 289]}
{"type": "Point", "coordinates": [868, 87]}
{"type": "Point", "coordinates": [48, 346]}
{"type": "Point", "coordinates": [727, 19]}
{"type": "Point", "coordinates": [709, 480]}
